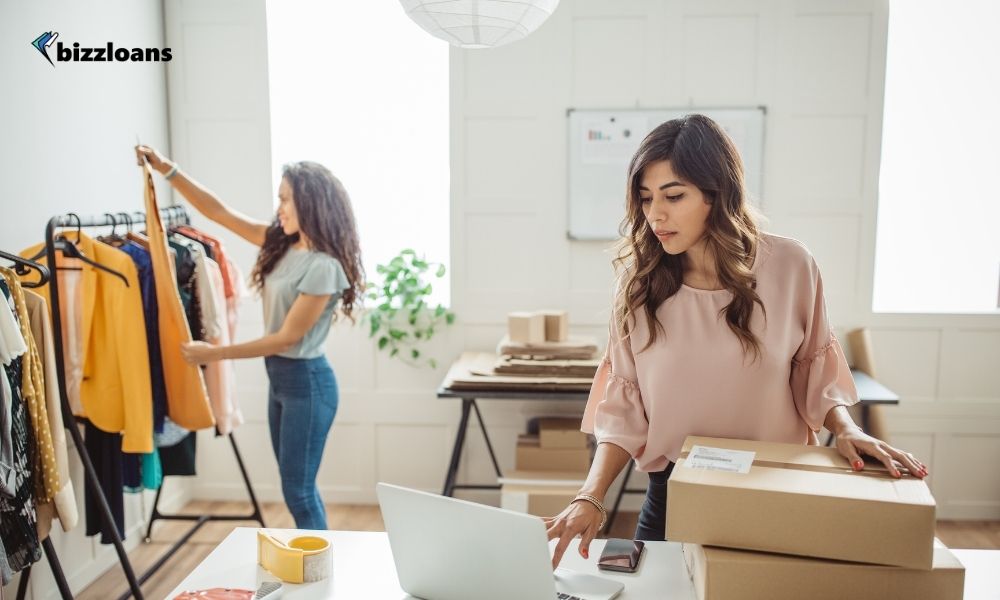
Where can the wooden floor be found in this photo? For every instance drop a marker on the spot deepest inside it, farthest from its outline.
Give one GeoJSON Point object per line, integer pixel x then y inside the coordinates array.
{"type": "Point", "coordinates": [956, 534]}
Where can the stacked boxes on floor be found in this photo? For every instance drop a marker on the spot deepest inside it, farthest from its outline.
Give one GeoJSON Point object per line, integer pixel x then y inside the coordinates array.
{"type": "Point", "coordinates": [775, 521]}
{"type": "Point", "coordinates": [549, 470]}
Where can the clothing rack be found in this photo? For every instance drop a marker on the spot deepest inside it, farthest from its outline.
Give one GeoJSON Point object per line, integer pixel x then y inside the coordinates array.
{"type": "Point", "coordinates": [23, 266]}
{"type": "Point", "coordinates": [172, 215]}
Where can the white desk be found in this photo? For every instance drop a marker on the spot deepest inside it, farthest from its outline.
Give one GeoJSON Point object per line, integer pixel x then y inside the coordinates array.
{"type": "Point", "coordinates": [363, 568]}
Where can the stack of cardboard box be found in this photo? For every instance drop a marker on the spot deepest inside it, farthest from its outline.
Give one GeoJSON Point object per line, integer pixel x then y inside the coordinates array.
{"type": "Point", "coordinates": [549, 468]}
{"type": "Point", "coordinates": [764, 520]}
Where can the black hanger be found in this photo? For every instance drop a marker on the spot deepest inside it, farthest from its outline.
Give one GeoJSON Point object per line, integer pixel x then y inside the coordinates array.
{"type": "Point", "coordinates": [23, 266]}
{"type": "Point", "coordinates": [69, 249]}
{"type": "Point", "coordinates": [113, 238]}
{"type": "Point", "coordinates": [128, 221]}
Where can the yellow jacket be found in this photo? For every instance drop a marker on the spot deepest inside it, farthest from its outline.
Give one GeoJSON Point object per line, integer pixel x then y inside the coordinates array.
{"type": "Point", "coordinates": [115, 392]}
{"type": "Point", "coordinates": [187, 398]}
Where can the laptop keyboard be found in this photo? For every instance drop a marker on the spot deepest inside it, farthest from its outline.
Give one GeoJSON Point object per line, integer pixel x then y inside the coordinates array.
{"type": "Point", "coordinates": [562, 596]}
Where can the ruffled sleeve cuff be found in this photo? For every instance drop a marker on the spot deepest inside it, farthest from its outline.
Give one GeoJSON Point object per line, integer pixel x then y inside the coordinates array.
{"type": "Point", "coordinates": [821, 381]}
{"type": "Point", "coordinates": [615, 412]}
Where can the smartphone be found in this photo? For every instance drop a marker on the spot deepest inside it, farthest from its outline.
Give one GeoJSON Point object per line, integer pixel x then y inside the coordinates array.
{"type": "Point", "coordinates": [621, 555]}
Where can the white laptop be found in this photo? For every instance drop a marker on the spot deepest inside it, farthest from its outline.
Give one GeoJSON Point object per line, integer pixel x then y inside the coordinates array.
{"type": "Point", "coordinates": [449, 549]}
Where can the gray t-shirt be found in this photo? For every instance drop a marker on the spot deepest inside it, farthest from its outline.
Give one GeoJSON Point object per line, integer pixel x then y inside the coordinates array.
{"type": "Point", "coordinates": [303, 272]}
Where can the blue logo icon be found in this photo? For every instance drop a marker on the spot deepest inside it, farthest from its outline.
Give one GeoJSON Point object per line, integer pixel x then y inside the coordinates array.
{"type": "Point", "coordinates": [43, 41]}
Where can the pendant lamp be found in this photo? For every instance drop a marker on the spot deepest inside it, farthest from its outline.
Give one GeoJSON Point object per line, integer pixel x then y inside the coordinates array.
{"type": "Point", "coordinates": [479, 23]}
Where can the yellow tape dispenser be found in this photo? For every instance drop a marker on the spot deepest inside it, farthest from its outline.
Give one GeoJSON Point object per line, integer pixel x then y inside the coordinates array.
{"type": "Point", "coordinates": [302, 560]}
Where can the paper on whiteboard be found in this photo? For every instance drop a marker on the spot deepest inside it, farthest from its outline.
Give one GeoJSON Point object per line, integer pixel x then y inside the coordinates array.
{"type": "Point", "coordinates": [719, 459]}
{"type": "Point", "coordinates": [612, 140]}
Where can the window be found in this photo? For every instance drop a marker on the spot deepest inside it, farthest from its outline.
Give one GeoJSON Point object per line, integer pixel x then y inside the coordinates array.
{"type": "Point", "coordinates": [363, 90]}
{"type": "Point", "coordinates": [938, 237]}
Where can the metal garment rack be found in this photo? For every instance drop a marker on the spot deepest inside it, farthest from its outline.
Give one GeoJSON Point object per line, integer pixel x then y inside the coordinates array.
{"type": "Point", "coordinates": [172, 214]}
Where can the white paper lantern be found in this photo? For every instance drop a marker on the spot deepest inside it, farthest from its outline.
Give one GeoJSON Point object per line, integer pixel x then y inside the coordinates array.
{"type": "Point", "coordinates": [479, 23]}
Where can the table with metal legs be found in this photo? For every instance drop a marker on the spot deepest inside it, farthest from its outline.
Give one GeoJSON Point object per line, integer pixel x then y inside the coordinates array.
{"type": "Point", "coordinates": [469, 406]}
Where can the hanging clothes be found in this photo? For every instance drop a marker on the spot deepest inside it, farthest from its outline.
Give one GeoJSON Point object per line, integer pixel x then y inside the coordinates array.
{"type": "Point", "coordinates": [17, 513]}
{"type": "Point", "coordinates": [12, 345]}
{"type": "Point", "coordinates": [115, 390]}
{"type": "Point", "coordinates": [105, 453]}
{"type": "Point", "coordinates": [147, 285]}
{"type": "Point", "coordinates": [218, 255]}
{"type": "Point", "coordinates": [63, 505]}
{"type": "Point", "coordinates": [219, 375]}
{"type": "Point", "coordinates": [46, 480]}
{"type": "Point", "coordinates": [187, 399]}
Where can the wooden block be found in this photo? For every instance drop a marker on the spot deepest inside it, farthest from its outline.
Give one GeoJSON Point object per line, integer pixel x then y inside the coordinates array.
{"type": "Point", "coordinates": [556, 325]}
{"type": "Point", "coordinates": [526, 327]}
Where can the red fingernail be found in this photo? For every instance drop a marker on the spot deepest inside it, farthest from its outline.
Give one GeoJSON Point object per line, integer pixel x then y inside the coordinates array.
{"type": "Point", "coordinates": [858, 465]}
{"type": "Point", "coordinates": [586, 554]}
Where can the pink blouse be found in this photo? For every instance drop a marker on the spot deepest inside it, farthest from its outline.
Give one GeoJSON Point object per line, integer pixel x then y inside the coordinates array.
{"type": "Point", "coordinates": [695, 380]}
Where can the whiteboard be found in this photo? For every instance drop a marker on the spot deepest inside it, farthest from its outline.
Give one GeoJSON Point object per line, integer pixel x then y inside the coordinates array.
{"type": "Point", "coordinates": [602, 142]}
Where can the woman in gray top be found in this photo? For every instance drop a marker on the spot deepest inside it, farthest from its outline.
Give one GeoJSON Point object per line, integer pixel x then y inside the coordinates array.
{"type": "Point", "coordinates": [309, 261]}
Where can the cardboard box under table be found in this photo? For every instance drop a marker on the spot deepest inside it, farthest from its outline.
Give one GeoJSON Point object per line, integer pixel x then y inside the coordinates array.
{"type": "Point", "coordinates": [720, 574]}
{"type": "Point", "coordinates": [539, 493]}
{"type": "Point", "coordinates": [530, 456]}
{"type": "Point", "coordinates": [561, 433]}
{"type": "Point", "coordinates": [796, 499]}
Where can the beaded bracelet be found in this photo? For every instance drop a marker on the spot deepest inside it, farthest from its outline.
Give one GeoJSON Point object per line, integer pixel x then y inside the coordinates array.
{"type": "Point", "coordinates": [597, 504]}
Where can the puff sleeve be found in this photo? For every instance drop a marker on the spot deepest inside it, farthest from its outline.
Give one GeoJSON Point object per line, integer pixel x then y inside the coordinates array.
{"type": "Point", "coordinates": [820, 377]}
{"type": "Point", "coordinates": [615, 411]}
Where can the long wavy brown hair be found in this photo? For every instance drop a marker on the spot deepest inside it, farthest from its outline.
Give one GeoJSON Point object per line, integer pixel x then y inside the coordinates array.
{"type": "Point", "coordinates": [701, 154]}
{"type": "Point", "coordinates": [326, 218]}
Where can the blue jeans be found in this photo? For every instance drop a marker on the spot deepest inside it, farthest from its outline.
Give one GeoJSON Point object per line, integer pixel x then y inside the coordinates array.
{"type": "Point", "coordinates": [652, 526]}
{"type": "Point", "coordinates": [301, 406]}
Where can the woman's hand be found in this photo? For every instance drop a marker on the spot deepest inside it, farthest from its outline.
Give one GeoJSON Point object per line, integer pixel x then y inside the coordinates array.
{"type": "Point", "coordinates": [199, 353]}
{"type": "Point", "coordinates": [579, 518]}
{"type": "Point", "coordinates": [155, 159]}
{"type": "Point", "coordinates": [852, 442]}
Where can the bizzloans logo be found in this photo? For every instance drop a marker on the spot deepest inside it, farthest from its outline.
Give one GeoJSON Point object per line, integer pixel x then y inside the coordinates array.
{"type": "Point", "coordinates": [108, 53]}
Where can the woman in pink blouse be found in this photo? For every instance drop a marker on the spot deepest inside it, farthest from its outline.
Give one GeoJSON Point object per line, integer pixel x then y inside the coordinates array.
{"type": "Point", "coordinates": [718, 330]}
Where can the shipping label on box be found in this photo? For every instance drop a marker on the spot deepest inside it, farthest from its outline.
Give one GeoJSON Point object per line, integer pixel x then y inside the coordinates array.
{"type": "Point", "coordinates": [801, 500]}
{"type": "Point", "coordinates": [720, 574]}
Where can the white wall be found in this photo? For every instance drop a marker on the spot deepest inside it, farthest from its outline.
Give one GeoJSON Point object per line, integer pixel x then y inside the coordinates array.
{"type": "Point", "coordinates": [817, 66]}
{"type": "Point", "coordinates": [68, 134]}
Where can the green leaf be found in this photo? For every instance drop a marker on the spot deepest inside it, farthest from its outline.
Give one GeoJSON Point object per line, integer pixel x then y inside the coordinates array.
{"type": "Point", "coordinates": [394, 352]}
{"type": "Point", "coordinates": [397, 334]}
{"type": "Point", "coordinates": [415, 353]}
{"type": "Point", "coordinates": [440, 271]}
{"type": "Point", "coordinates": [412, 319]}
{"type": "Point", "coordinates": [450, 318]}
{"type": "Point", "coordinates": [438, 311]}
{"type": "Point", "coordinates": [433, 363]}
{"type": "Point", "coordinates": [408, 252]}
{"type": "Point", "coordinates": [382, 341]}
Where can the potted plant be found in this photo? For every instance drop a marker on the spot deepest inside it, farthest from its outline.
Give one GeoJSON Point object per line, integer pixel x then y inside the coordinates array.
{"type": "Point", "coordinates": [401, 317]}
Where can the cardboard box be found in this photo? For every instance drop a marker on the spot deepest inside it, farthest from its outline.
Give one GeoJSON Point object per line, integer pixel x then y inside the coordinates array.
{"type": "Point", "coordinates": [561, 432]}
{"type": "Point", "coordinates": [801, 500]}
{"type": "Point", "coordinates": [556, 325]}
{"type": "Point", "coordinates": [530, 456]}
{"type": "Point", "coordinates": [526, 327]}
{"type": "Point", "coordinates": [719, 574]}
{"type": "Point", "coordinates": [539, 493]}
